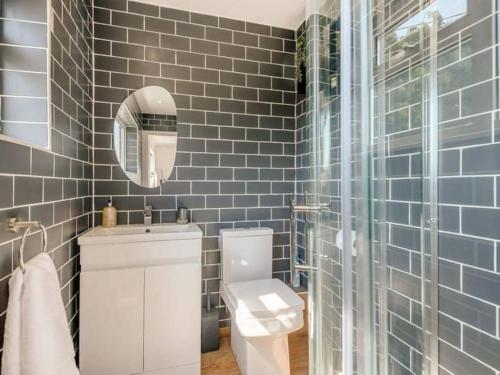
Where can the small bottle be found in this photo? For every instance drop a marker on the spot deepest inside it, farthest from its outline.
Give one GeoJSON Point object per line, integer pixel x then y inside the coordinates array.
{"type": "Point", "coordinates": [109, 216]}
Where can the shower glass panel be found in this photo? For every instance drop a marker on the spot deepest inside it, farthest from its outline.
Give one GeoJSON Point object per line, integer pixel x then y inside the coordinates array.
{"type": "Point", "coordinates": [468, 193]}
{"type": "Point", "coordinates": [400, 68]}
{"type": "Point", "coordinates": [405, 154]}
{"type": "Point", "coordinates": [434, 228]}
{"type": "Point", "coordinates": [336, 163]}
{"type": "Point", "coordinates": [435, 119]}
{"type": "Point", "coordinates": [323, 99]}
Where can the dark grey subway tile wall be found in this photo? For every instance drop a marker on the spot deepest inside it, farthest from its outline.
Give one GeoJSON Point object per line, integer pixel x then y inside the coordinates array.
{"type": "Point", "coordinates": [233, 83]}
{"type": "Point", "coordinates": [54, 187]}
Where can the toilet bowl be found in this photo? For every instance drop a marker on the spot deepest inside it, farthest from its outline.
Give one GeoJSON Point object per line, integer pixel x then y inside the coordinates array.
{"type": "Point", "coordinates": [263, 310]}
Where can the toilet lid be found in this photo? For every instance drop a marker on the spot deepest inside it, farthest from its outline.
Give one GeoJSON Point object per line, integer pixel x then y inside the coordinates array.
{"type": "Point", "coordinates": [263, 299]}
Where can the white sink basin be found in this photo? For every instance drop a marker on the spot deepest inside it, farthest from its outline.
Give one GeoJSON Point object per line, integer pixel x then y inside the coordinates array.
{"type": "Point", "coordinates": [139, 245]}
{"type": "Point", "coordinates": [139, 233]}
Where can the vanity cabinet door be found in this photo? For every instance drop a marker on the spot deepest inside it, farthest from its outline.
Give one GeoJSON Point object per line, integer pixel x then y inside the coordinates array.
{"type": "Point", "coordinates": [112, 318]}
{"type": "Point", "coordinates": [172, 312]}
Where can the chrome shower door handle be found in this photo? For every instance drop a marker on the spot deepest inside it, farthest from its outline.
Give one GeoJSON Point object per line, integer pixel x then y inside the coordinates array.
{"type": "Point", "coordinates": [296, 266]}
{"type": "Point", "coordinates": [293, 243]}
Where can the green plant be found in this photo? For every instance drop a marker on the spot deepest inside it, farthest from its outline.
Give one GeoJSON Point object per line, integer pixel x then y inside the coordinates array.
{"type": "Point", "coordinates": [300, 58]}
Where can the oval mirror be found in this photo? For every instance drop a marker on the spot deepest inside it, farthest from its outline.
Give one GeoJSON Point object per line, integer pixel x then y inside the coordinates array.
{"type": "Point", "coordinates": [145, 136]}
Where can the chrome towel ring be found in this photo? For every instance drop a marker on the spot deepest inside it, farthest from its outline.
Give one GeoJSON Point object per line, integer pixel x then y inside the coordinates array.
{"type": "Point", "coordinates": [15, 226]}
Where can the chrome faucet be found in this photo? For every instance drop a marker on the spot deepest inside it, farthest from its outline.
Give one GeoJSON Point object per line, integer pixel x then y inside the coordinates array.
{"type": "Point", "coordinates": [148, 215]}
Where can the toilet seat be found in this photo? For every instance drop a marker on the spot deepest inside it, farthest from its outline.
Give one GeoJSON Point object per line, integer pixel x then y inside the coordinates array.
{"type": "Point", "coordinates": [262, 308]}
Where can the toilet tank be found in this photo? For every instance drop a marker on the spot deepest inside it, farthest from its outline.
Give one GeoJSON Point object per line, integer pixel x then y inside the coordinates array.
{"type": "Point", "coordinates": [247, 254]}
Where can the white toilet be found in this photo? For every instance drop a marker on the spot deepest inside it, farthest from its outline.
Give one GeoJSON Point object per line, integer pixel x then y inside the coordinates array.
{"type": "Point", "coordinates": [263, 310]}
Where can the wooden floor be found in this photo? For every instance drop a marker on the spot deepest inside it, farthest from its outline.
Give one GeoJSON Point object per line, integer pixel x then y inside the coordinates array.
{"type": "Point", "coordinates": [222, 362]}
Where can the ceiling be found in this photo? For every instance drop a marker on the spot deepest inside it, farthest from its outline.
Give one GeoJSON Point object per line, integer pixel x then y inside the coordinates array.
{"type": "Point", "coordinates": [287, 14]}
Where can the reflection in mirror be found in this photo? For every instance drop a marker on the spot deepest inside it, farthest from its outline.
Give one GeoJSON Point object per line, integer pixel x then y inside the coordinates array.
{"type": "Point", "coordinates": [145, 136]}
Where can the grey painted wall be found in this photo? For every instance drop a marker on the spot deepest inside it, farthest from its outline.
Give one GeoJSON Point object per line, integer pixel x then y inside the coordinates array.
{"type": "Point", "coordinates": [233, 84]}
{"type": "Point", "coordinates": [35, 184]}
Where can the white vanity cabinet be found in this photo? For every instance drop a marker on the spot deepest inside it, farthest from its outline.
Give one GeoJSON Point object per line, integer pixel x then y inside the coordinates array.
{"type": "Point", "coordinates": [140, 305]}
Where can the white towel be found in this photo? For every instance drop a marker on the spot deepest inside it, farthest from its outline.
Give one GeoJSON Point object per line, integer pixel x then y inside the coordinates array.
{"type": "Point", "coordinates": [45, 346]}
{"type": "Point", "coordinates": [11, 356]}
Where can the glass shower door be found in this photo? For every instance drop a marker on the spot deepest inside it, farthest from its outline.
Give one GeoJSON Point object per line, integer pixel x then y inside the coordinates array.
{"type": "Point", "coordinates": [373, 168]}
{"type": "Point", "coordinates": [467, 73]}
{"type": "Point", "coordinates": [332, 280]}
{"type": "Point", "coordinates": [435, 103]}
{"type": "Point", "coordinates": [400, 202]}
{"type": "Point", "coordinates": [325, 277]}
{"type": "Point", "coordinates": [405, 159]}
{"type": "Point", "coordinates": [369, 131]}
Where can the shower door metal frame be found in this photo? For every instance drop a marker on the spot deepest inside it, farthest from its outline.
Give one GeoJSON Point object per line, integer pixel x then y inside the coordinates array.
{"type": "Point", "coordinates": [315, 310]}
{"type": "Point", "coordinates": [346, 181]}
{"type": "Point", "coordinates": [430, 139]}
{"type": "Point", "coordinates": [362, 154]}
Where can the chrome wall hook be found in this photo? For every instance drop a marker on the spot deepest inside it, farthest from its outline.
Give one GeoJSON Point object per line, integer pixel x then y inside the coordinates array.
{"type": "Point", "coordinates": [15, 226]}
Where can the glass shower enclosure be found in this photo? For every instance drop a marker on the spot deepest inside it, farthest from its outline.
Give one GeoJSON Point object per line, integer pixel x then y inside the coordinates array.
{"type": "Point", "coordinates": [404, 152]}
